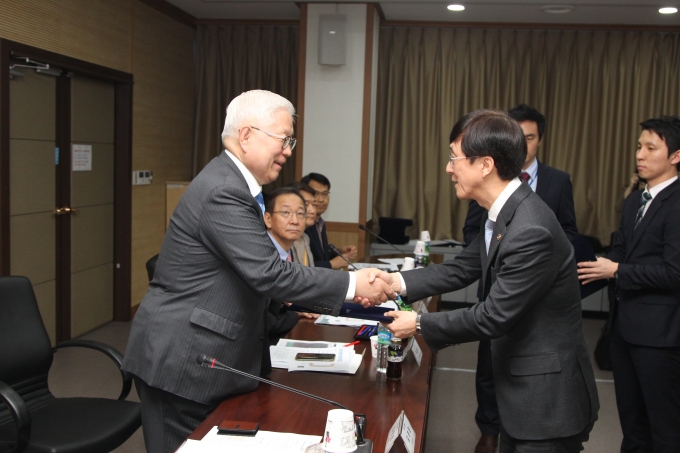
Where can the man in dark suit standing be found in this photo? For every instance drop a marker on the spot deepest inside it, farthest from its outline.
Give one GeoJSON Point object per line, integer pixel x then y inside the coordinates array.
{"type": "Point", "coordinates": [645, 261]}
{"type": "Point", "coordinates": [531, 311]}
{"type": "Point", "coordinates": [553, 186]}
{"type": "Point", "coordinates": [216, 273]}
{"type": "Point", "coordinates": [318, 239]}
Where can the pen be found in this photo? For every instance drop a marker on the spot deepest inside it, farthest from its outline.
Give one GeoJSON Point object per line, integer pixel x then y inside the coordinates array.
{"type": "Point", "coordinates": [362, 329]}
{"type": "Point", "coordinates": [352, 343]}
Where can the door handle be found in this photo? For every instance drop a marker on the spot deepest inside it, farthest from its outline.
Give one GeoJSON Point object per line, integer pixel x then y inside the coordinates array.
{"type": "Point", "coordinates": [65, 210]}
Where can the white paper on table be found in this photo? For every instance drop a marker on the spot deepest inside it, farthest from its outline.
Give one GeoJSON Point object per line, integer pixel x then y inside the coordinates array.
{"type": "Point", "coordinates": [326, 320]}
{"type": "Point", "coordinates": [283, 357]}
{"type": "Point", "coordinates": [290, 343]}
{"type": "Point", "coordinates": [262, 442]}
{"type": "Point", "coordinates": [394, 262]}
{"type": "Point", "coordinates": [346, 366]}
{"type": "Point", "coordinates": [384, 267]}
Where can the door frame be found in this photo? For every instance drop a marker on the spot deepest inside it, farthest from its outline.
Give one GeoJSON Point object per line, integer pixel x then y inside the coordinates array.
{"type": "Point", "coordinates": [122, 210]}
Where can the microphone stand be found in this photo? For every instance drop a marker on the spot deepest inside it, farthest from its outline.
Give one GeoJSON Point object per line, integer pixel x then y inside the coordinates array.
{"type": "Point", "coordinates": [337, 252]}
{"type": "Point", "coordinates": [363, 227]}
{"type": "Point", "coordinates": [363, 445]}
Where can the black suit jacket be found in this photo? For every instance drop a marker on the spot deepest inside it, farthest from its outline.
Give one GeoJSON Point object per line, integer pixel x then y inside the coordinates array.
{"type": "Point", "coordinates": [322, 256]}
{"type": "Point", "coordinates": [554, 188]}
{"type": "Point", "coordinates": [544, 380]}
{"type": "Point", "coordinates": [647, 306]}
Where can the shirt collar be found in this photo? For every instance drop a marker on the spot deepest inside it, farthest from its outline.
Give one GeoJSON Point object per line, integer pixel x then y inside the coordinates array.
{"type": "Point", "coordinates": [654, 191]}
{"type": "Point", "coordinates": [282, 253]}
{"type": "Point", "coordinates": [253, 185]}
{"type": "Point", "coordinates": [532, 170]}
{"type": "Point", "coordinates": [503, 197]}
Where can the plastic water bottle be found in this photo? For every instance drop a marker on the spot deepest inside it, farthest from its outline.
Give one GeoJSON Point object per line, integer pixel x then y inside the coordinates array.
{"type": "Point", "coordinates": [425, 237]}
{"type": "Point", "coordinates": [384, 337]}
{"type": "Point", "coordinates": [419, 256]}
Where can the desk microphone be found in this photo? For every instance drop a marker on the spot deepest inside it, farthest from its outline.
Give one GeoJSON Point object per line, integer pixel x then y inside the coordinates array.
{"type": "Point", "coordinates": [211, 362]}
{"type": "Point", "coordinates": [335, 250]}
{"type": "Point", "coordinates": [363, 227]}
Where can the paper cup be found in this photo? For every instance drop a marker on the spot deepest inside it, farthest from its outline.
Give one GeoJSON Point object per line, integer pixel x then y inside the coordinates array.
{"type": "Point", "coordinates": [425, 236]}
{"type": "Point", "coordinates": [420, 248]}
{"type": "Point", "coordinates": [339, 435]}
{"type": "Point", "coordinates": [374, 346]}
{"type": "Point", "coordinates": [409, 263]}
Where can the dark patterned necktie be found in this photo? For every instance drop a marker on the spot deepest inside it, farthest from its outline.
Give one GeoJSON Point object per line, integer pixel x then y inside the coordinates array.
{"type": "Point", "coordinates": [524, 176]}
{"type": "Point", "coordinates": [646, 196]}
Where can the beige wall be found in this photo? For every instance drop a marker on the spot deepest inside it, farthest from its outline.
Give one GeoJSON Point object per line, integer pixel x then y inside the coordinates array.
{"type": "Point", "coordinates": [127, 35]}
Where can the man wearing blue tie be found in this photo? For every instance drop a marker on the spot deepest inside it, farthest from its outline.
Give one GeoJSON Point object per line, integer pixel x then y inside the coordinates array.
{"type": "Point", "coordinates": [531, 309]}
{"type": "Point", "coordinates": [645, 317]}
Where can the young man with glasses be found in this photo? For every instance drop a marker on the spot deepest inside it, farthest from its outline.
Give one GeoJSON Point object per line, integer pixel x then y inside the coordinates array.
{"type": "Point", "coordinates": [318, 238]}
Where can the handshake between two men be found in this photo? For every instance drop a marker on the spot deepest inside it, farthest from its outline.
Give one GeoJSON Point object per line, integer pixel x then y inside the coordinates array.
{"type": "Point", "coordinates": [383, 286]}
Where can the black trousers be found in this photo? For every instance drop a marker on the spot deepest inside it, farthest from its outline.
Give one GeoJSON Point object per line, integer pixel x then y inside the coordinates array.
{"type": "Point", "coordinates": [487, 417]}
{"type": "Point", "coordinates": [168, 419]}
{"type": "Point", "coordinates": [647, 385]}
{"type": "Point", "coordinates": [571, 444]}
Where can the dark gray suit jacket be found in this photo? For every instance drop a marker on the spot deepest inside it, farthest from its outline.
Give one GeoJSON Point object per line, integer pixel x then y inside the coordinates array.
{"type": "Point", "coordinates": [544, 380]}
{"type": "Point", "coordinates": [216, 273]}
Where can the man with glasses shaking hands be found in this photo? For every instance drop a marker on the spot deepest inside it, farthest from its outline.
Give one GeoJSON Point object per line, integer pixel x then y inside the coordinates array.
{"type": "Point", "coordinates": [216, 273]}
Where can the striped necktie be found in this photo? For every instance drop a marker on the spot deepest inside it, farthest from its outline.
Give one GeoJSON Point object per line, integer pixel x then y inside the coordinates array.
{"type": "Point", "coordinates": [646, 196]}
{"type": "Point", "coordinates": [260, 201]}
{"type": "Point", "coordinates": [488, 231]}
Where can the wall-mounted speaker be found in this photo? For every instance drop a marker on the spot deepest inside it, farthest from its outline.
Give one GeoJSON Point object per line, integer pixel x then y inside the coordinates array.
{"type": "Point", "coordinates": [332, 46]}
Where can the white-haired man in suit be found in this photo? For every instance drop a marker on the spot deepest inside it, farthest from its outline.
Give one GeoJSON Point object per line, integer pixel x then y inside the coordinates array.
{"type": "Point", "coordinates": [216, 273]}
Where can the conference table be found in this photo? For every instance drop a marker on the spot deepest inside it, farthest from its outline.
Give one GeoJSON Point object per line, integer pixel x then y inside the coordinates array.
{"type": "Point", "coordinates": [366, 392]}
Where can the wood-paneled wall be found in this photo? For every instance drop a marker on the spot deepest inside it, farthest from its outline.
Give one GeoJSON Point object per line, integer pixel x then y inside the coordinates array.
{"type": "Point", "coordinates": [130, 36]}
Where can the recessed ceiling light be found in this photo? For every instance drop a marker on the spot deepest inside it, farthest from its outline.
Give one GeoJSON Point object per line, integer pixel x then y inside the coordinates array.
{"type": "Point", "coordinates": [668, 10]}
{"type": "Point", "coordinates": [557, 9]}
{"type": "Point", "coordinates": [455, 7]}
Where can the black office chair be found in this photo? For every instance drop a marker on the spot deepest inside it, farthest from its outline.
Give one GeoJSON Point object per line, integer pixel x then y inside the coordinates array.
{"type": "Point", "coordinates": [151, 266]}
{"type": "Point", "coordinates": [32, 420]}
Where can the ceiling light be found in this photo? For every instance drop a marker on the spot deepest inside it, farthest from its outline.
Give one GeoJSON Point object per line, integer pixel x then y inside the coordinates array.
{"type": "Point", "coordinates": [557, 9]}
{"type": "Point", "coordinates": [455, 7]}
{"type": "Point", "coordinates": [668, 10]}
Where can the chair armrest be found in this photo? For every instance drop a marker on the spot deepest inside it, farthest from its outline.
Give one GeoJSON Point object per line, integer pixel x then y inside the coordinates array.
{"type": "Point", "coordinates": [111, 352]}
{"type": "Point", "coordinates": [20, 413]}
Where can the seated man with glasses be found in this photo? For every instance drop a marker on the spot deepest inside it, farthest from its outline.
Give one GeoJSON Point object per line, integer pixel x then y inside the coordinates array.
{"type": "Point", "coordinates": [318, 239]}
{"type": "Point", "coordinates": [284, 217]}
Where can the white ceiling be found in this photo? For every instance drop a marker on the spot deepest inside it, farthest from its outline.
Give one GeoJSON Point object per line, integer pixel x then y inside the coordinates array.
{"type": "Point", "coordinates": [628, 12]}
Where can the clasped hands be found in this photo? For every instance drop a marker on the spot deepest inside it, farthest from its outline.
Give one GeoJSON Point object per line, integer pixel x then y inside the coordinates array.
{"type": "Point", "coordinates": [375, 287]}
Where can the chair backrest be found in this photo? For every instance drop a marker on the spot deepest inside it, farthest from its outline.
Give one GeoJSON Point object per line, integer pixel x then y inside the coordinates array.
{"type": "Point", "coordinates": [151, 266]}
{"type": "Point", "coordinates": [25, 350]}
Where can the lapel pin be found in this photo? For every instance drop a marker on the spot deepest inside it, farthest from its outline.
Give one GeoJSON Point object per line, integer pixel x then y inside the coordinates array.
{"type": "Point", "coordinates": [498, 238]}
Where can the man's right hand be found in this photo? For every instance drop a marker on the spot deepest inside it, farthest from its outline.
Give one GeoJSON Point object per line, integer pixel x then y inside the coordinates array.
{"type": "Point", "coordinates": [373, 287]}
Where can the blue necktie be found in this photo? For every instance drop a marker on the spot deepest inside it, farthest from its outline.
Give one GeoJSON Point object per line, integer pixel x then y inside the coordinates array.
{"type": "Point", "coordinates": [488, 231]}
{"type": "Point", "coordinates": [646, 196]}
{"type": "Point", "coordinates": [260, 201]}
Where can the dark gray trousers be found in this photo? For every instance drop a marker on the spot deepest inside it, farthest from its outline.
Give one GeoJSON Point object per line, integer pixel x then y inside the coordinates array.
{"type": "Point", "coordinates": [168, 419]}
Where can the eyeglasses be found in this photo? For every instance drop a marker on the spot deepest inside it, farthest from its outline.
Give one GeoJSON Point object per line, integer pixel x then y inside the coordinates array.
{"type": "Point", "coordinates": [287, 214]}
{"type": "Point", "coordinates": [452, 159]}
{"type": "Point", "coordinates": [285, 141]}
{"type": "Point", "coordinates": [322, 195]}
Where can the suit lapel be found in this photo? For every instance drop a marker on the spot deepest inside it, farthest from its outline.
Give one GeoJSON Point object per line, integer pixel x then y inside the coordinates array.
{"type": "Point", "coordinates": [226, 160]}
{"type": "Point", "coordinates": [654, 207]}
{"type": "Point", "coordinates": [499, 231]}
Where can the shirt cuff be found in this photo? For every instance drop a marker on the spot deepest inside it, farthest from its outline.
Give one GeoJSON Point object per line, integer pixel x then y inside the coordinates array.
{"type": "Point", "coordinates": [403, 285]}
{"type": "Point", "coordinates": [352, 289]}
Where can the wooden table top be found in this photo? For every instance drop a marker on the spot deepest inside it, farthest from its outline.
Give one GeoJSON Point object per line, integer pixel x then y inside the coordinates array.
{"type": "Point", "coordinates": [366, 392]}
